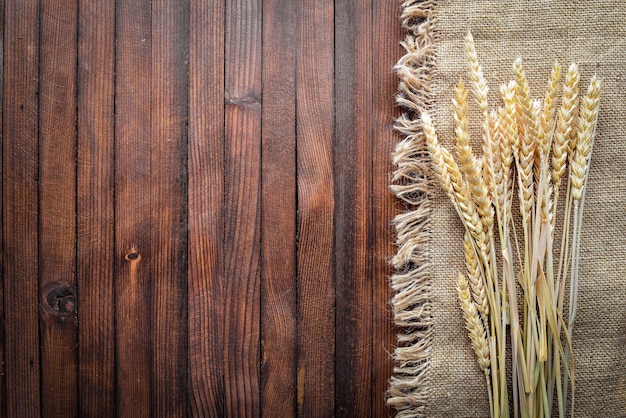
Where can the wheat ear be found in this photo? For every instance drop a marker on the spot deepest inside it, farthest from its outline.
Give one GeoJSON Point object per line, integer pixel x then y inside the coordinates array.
{"type": "Point", "coordinates": [445, 167]}
{"type": "Point", "coordinates": [479, 83]}
{"type": "Point", "coordinates": [569, 104]}
{"type": "Point", "coordinates": [494, 153]}
{"type": "Point", "coordinates": [481, 91]}
{"type": "Point", "coordinates": [474, 325]}
{"type": "Point", "coordinates": [468, 160]}
{"type": "Point", "coordinates": [508, 124]}
{"type": "Point", "coordinates": [549, 106]}
{"type": "Point", "coordinates": [450, 178]}
{"type": "Point", "coordinates": [476, 279]}
{"type": "Point", "coordinates": [526, 142]}
{"type": "Point", "coordinates": [587, 120]}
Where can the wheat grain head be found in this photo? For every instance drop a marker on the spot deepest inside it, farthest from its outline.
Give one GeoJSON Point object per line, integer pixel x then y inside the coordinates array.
{"type": "Point", "coordinates": [468, 160]}
{"type": "Point", "coordinates": [549, 106]}
{"type": "Point", "coordinates": [569, 103]}
{"type": "Point", "coordinates": [475, 71]}
{"type": "Point", "coordinates": [474, 325]}
{"type": "Point", "coordinates": [587, 121]}
{"type": "Point", "coordinates": [476, 279]}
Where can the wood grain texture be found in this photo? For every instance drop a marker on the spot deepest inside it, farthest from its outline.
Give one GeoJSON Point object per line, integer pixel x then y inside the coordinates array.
{"type": "Point", "coordinates": [3, 386]}
{"type": "Point", "coordinates": [353, 238]}
{"type": "Point", "coordinates": [242, 181]}
{"type": "Point", "coordinates": [20, 207]}
{"type": "Point", "coordinates": [133, 229]}
{"type": "Point", "coordinates": [385, 52]}
{"type": "Point", "coordinates": [57, 203]}
{"type": "Point", "coordinates": [316, 286]}
{"type": "Point", "coordinates": [206, 204]}
{"type": "Point", "coordinates": [168, 203]}
{"type": "Point", "coordinates": [95, 208]}
{"type": "Point", "coordinates": [278, 211]}
{"type": "Point", "coordinates": [205, 183]}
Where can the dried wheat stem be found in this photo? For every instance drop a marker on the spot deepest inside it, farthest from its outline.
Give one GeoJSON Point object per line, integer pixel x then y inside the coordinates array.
{"type": "Point", "coordinates": [587, 122]}
{"type": "Point", "coordinates": [579, 152]}
{"type": "Point", "coordinates": [586, 129]}
{"type": "Point", "coordinates": [561, 152]}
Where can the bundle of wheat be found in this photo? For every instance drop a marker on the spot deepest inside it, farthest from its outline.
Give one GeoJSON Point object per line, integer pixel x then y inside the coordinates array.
{"type": "Point", "coordinates": [515, 291]}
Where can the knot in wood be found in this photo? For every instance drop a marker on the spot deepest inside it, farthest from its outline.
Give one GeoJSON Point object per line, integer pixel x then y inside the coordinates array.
{"type": "Point", "coordinates": [59, 299]}
{"type": "Point", "coordinates": [132, 256]}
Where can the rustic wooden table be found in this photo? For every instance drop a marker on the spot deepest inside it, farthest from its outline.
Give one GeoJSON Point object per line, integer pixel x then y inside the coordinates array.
{"type": "Point", "coordinates": [196, 214]}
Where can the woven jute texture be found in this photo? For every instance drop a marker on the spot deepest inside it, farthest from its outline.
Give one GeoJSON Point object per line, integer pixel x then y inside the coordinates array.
{"type": "Point", "coordinates": [593, 34]}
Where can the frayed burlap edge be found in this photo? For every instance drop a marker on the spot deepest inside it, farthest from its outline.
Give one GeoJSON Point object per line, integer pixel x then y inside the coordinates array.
{"type": "Point", "coordinates": [409, 389]}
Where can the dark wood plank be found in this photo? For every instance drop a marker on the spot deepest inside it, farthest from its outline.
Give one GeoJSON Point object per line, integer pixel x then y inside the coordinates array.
{"type": "Point", "coordinates": [3, 387]}
{"type": "Point", "coordinates": [132, 207]}
{"type": "Point", "coordinates": [386, 32]}
{"type": "Point", "coordinates": [316, 291]}
{"type": "Point", "coordinates": [95, 176]}
{"type": "Point", "coordinates": [278, 223]}
{"type": "Point", "coordinates": [168, 194]}
{"type": "Point", "coordinates": [57, 207]}
{"type": "Point", "coordinates": [242, 168]}
{"type": "Point", "coordinates": [353, 177]}
{"type": "Point", "coordinates": [20, 207]}
{"type": "Point", "coordinates": [206, 202]}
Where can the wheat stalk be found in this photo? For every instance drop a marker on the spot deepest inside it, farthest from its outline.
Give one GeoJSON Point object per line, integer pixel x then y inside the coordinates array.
{"type": "Point", "coordinates": [535, 141]}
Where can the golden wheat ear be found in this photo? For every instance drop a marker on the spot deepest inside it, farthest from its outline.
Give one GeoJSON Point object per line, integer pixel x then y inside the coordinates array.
{"type": "Point", "coordinates": [474, 325]}
{"type": "Point", "coordinates": [565, 123]}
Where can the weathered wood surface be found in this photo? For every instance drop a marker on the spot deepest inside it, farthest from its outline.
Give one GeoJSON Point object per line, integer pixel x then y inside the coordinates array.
{"type": "Point", "coordinates": [195, 216]}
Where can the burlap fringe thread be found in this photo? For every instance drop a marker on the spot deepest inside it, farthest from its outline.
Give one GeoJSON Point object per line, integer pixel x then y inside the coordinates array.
{"type": "Point", "coordinates": [409, 390]}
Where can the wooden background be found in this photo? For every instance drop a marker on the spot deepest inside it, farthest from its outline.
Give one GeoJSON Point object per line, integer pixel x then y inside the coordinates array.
{"type": "Point", "coordinates": [195, 207]}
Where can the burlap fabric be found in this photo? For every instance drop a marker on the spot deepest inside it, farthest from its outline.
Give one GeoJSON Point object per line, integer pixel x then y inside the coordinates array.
{"type": "Point", "coordinates": [593, 34]}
